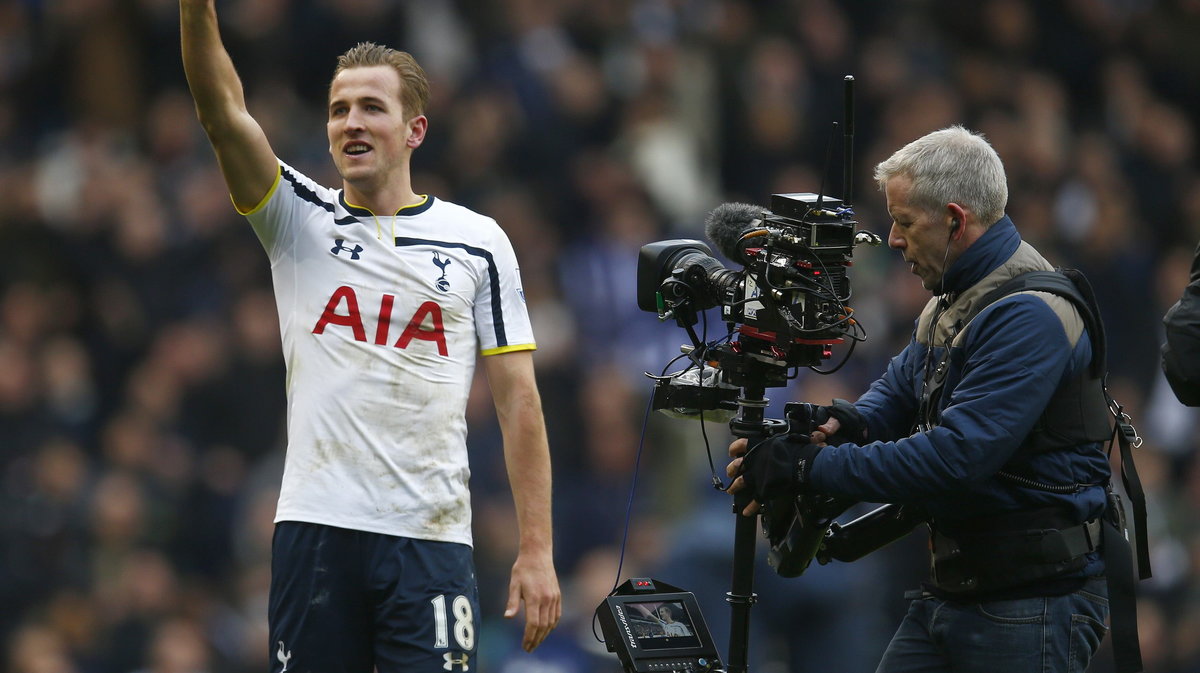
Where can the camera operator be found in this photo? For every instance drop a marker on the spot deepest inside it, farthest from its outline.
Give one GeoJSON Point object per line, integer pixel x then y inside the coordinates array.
{"type": "Point", "coordinates": [1181, 352]}
{"type": "Point", "coordinates": [955, 427]}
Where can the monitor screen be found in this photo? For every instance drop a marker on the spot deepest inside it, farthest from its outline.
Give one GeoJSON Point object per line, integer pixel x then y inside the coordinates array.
{"type": "Point", "coordinates": [661, 625]}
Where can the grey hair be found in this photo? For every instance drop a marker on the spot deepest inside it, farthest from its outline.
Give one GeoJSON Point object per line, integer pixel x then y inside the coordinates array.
{"type": "Point", "coordinates": [952, 165]}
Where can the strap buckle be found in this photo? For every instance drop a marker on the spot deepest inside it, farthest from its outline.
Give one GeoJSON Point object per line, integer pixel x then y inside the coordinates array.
{"type": "Point", "coordinates": [1124, 422]}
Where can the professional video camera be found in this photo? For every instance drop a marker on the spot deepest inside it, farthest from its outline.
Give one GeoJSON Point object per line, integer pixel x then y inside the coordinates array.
{"type": "Point", "coordinates": [788, 302]}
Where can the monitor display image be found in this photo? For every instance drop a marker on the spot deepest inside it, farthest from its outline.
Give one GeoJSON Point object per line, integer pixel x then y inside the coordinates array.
{"type": "Point", "coordinates": [661, 625]}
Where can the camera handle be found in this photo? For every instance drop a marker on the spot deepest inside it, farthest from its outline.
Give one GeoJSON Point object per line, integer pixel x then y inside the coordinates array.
{"type": "Point", "coordinates": [751, 424]}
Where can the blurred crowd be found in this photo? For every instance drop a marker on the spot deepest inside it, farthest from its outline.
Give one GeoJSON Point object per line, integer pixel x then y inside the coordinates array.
{"type": "Point", "coordinates": [141, 382]}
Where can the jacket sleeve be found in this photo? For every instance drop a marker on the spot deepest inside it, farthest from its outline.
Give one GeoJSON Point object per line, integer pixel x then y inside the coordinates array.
{"type": "Point", "coordinates": [1015, 353]}
{"type": "Point", "coordinates": [890, 404]}
{"type": "Point", "coordinates": [1181, 352]}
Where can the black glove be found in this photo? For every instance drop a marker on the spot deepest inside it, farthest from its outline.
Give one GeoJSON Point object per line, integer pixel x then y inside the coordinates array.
{"type": "Point", "coordinates": [778, 466]}
{"type": "Point", "coordinates": [853, 424]}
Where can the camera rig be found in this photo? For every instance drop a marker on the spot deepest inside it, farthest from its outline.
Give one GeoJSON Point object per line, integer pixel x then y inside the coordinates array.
{"type": "Point", "coordinates": [786, 308]}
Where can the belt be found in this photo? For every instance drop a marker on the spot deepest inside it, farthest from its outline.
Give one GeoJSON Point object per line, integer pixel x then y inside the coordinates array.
{"type": "Point", "coordinates": [986, 562]}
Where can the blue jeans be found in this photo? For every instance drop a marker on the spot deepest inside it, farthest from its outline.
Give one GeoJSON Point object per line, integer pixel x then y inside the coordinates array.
{"type": "Point", "coordinates": [1056, 634]}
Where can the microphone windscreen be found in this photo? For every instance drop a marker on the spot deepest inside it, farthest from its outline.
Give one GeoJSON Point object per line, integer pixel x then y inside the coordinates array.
{"type": "Point", "coordinates": [727, 222]}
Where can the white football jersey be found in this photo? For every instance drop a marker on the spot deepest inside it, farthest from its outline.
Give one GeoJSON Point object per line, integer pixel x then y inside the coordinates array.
{"type": "Point", "coordinates": [382, 318]}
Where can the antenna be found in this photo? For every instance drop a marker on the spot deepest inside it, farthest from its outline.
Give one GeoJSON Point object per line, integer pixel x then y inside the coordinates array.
{"type": "Point", "coordinates": [848, 143]}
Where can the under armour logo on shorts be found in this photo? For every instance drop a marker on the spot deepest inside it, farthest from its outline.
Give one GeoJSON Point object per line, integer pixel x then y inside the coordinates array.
{"type": "Point", "coordinates": [452, 661]}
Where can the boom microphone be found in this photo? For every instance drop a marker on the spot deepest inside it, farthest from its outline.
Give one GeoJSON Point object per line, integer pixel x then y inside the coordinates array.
{"type": "Point", "coordinates": [726, 225]}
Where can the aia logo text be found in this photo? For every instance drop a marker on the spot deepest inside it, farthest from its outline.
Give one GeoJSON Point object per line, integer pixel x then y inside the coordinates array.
{"type": "Point", "coordinates": [342, 310]}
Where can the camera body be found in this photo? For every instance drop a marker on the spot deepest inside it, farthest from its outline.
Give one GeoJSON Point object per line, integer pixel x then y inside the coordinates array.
{"type": "Point", "coordinates": [789, 299]}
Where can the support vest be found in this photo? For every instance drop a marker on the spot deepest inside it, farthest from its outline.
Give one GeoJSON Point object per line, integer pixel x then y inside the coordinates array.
{"type": "Point", "coordinates": [1080, 411]}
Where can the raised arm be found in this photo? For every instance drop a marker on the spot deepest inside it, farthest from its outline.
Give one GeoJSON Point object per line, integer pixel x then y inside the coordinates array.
{"type": "Point", "coordinates": [527, 457]}
{"type": "Point", "coordinates": [243, 152]}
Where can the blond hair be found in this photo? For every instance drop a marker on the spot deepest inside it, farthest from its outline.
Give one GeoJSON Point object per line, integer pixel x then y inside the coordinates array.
{"type": "Point", "coordinates": [414, 85]}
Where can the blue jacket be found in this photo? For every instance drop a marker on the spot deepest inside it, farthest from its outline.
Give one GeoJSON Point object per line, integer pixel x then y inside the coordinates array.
{"type": "Point", "coordinates": [1002, 370]}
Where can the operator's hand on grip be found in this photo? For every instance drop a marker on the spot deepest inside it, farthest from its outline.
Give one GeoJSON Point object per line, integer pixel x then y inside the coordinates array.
{"type": "Point", "coordinates": [535, 583]}
{"type": "Point", "coordinates": [842, 423]}
{"type": "Point", "coordinates": [734, 470]}
{"type": "Point", "coordinates": [777, 466]}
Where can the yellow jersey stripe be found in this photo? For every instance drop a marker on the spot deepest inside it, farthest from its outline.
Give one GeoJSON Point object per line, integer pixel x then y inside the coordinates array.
{"type": "Point", "coordinates": [263, 202]}
{"type": "Point", "coordinates": [509, 349]}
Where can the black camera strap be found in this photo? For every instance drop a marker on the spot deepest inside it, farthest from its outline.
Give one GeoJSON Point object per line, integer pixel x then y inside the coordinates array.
{"type": "Point", "coordinates": [1122, 592]}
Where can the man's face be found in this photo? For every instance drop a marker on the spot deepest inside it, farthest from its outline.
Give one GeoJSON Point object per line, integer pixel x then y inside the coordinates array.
{"type": "Point", "coordinates": [922, 239]}
{"type": "Point", "coordinates": [368, 135]}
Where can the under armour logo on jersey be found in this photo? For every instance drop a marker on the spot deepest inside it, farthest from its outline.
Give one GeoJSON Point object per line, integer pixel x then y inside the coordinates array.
{"type": "Point", "coordinates": [452, 661]}
{"type": "Point", "coordinates": [338, 248]}
{"type": "Point", "coordinates": [285, 658]}
{"type": "Point", "coordinates": [441, 283]}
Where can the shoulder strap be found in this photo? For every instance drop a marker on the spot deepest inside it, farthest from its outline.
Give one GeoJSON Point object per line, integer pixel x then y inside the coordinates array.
{"type": "Point", "coordinates": [1069, 284]}
{"type": "Point", "coordinates": [1062, 283]}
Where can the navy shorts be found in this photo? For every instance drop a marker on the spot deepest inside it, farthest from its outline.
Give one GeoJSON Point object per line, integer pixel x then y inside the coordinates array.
{"type": "Point", "coordinates": [346, 601]}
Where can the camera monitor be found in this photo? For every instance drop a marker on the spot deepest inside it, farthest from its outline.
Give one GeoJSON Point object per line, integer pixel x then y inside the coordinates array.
{"type": "Point", "coordinates": [656, 627]}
